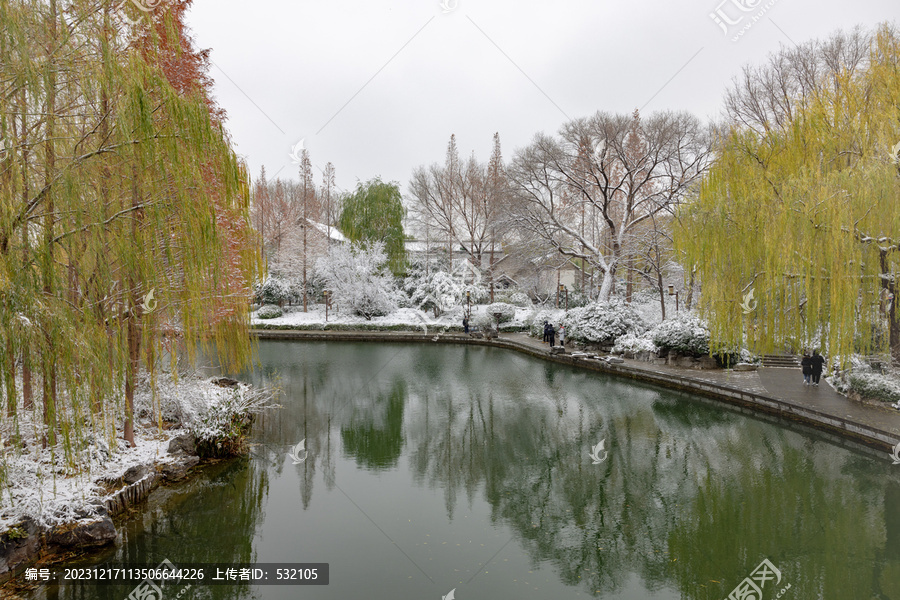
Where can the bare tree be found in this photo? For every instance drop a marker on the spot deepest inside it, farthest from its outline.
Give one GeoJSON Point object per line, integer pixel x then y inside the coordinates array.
{"type": "Point", "coordinates": [617, 170]}
{"type": "Point", "coordinates": [462, 201]}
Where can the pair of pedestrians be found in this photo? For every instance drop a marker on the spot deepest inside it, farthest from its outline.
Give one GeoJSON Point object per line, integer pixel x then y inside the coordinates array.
{"type": "Point", "coordinates": [550, 334]}
{"type": "Point", "coordinates": [812, 367]}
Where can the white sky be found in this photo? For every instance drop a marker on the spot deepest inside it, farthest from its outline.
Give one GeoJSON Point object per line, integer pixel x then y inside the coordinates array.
{"type": "Point", "coordinates": [377, 87]}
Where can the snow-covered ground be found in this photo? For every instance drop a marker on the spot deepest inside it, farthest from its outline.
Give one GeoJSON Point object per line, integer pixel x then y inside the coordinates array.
{"type": "Point", "coordinates": [53, 488]}
{"type": "Point", "coordinates": [410, 317]}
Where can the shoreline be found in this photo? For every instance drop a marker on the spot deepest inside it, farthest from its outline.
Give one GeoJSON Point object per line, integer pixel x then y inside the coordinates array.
{"type": "Point", "coordinates": [880, 438]}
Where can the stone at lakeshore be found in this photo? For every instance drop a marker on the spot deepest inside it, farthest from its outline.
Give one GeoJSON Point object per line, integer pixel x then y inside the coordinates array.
{"type": "Point", "coordinates": [707, 362]}
{"type": "Point", "coordinates": [135, 474]}
{"type": "Point", "coordinates": [557, 350]}
{"type": "Point", "coordinates": [185, 443]}
{"type": "Point", "coordinates": [98, 532]}
{"type": "Point", "coordinates": [615, 360]}
{"type": "Point", "coordinates": [658, 361]}
{"type": "Point", "coordinates": [18, 552]}
{"type": "Point", "coordinates": [686, 362]}
{"type": "Point", "coordinates": [177, 470]}
{"type": "Point", "coordinates": [744, 367]}
{"type": "Point", "coordinates": [225, 382]}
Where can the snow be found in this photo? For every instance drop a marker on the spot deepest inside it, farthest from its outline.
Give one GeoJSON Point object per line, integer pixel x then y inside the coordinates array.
{"type": "Point", "coordinates": [51, 489]}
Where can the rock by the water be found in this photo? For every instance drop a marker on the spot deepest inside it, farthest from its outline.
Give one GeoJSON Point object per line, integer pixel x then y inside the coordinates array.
{"type": "Point", "coordinates": [135, 474]}
{"type": "Point", "coordinates": [183, 444]}
{"type": "Point", "coordinates": [98, 532]}
{"type": "Point", "coordinates": [177, 470]}
{"type": "Point", "coordinates": [18, 545]}
{"type": "Point", "coordinates": [615, 360]}
{"type": "Point", "coordinates": [707, 362]}
{"type": "Point", "coordinates": [557, 350]}
{"type": "Point", "coordinates": [226, 382]}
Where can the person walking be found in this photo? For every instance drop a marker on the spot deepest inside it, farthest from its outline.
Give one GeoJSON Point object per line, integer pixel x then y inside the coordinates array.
{"type": "Point", "coordinates": [818, 365]}
{"type": "Point", "coordinates": [562, 335]}
{"type": "Point", "coordinates": [551, 335]}
{"type": "Point", "coordinates": [466, 325]}
{"type": "Point", "coordinates": [806, 365]}
{"type": "Point", "coordinates": [546, 332]}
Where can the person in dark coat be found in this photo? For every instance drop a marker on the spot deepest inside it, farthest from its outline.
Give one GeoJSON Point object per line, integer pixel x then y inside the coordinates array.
{"type": "Point", "coordinates": [806, 365]}
{"type": "Point", "coordinates": [818, 365]}
{"type": "Point", "coordinates": [546, 331]}
{"type": "Point", "coordinates": [551, 335]}
{"type": "Point", "coordinates": [466, 324]}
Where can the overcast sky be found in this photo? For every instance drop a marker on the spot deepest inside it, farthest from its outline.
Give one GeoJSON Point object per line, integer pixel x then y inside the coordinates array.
{"type": "Point", "coordinates": [377, 87]}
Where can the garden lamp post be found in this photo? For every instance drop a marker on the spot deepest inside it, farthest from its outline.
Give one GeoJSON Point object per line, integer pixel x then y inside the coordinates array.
{"type": "Point", "coordinates": [563, 290]}
{"type": "Point", "coordinates": [326, 304]}
{"type": "Point", "coordinates": [674, 292]}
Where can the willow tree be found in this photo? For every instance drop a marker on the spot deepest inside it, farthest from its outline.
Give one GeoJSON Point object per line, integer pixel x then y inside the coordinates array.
{"type": "Point", "coordinates": [124, 217]}
{"type": "Point", "coordinates": [374, 213]}
{"type": "Point", "coordinates": [795, 232]}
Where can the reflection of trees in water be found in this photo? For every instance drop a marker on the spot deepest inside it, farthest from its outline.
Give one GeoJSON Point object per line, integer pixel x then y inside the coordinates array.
{"type": "Point", "coordinates": [374, 436]}
{"type": "Point", "coordinates": [690, 495]}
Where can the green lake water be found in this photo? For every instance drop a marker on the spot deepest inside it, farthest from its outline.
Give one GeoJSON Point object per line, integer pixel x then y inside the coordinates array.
{"type": "Point", "coordinates": [433, 468]}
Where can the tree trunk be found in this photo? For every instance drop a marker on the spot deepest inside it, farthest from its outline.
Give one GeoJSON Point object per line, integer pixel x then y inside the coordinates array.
{"type": "Point", "coordinates": [135, 313]}
{"type": "Point", "coordinates": [662, 293]}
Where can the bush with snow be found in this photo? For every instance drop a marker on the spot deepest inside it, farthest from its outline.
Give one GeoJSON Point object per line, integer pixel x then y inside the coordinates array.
{"type": "Point", "coordinates": [269, 311]}
{"type": "Point", "coordinates": [685, 334]}
{"type": "Point", "coordinates": [603, 322]}
{"type": "Point", "coordinates": [274, 290]}
{"type": "Point", "coordinates": [359, 279]}
{"type": "Point", "coordinates": [514, 297]}
{"type": "Point", "coordinates": [632, 344]}
{"type": "Point", "coordinates": [507, 311]}
{"type": "Point", "coordinates": [536, 320]}
{"type": "Point", "coordinates": [437, 291]}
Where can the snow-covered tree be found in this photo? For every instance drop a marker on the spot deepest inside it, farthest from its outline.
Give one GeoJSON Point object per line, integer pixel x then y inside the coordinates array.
{"type": "Point", "coordinates": [359, 279]}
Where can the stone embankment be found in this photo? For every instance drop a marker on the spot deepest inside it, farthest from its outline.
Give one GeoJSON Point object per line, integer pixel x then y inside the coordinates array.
{"type": "Point", "coordinates": [22, 544]}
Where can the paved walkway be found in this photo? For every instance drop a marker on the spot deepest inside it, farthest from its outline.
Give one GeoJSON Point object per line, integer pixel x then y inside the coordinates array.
{"type": "Point", "coordinates": [773, 390]}
{"type": "Point", "coordinates": [783, 384]}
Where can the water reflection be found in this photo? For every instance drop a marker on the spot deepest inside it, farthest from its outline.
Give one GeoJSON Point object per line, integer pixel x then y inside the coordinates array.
{"type": "Point", "coordinates": [434, 467]}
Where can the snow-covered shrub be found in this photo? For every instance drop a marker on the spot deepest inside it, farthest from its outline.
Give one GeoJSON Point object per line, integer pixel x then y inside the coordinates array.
{"type": "Point", "coordinates": [873, 386]}
{"type": "Point", "coordinates": [484, 320]}
{"type": "Point", "coordinates": [633, 344]}
{"type": "Point", "coordinates": [507, 311]}
{"type": "Point", "coordinates": [536, 320]}
{"type": "Point", "coordinates": [514, 297]}
{"type": "Point", "coordinates": [685, 333]}
{"type": "Point", "coordinates": [269, 311]}
{"type": "Point", "coordinates": [603, 322]}
{"type": "Point", "coordinates": [359, 279]}
{"type": "Point", "coordinates": [274, 290]}
{"type": "Point", "coordinates": [436, 291]}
